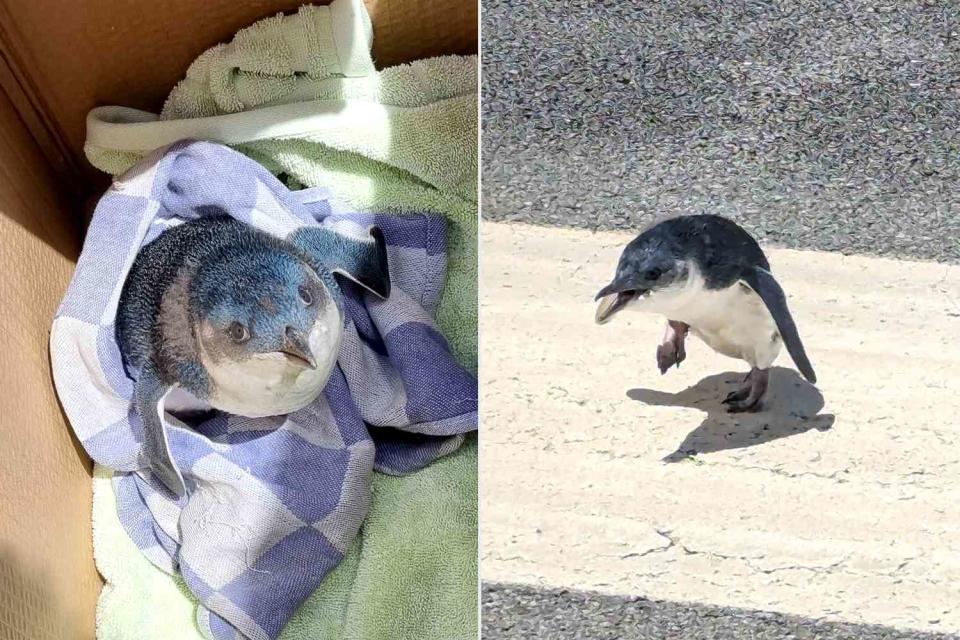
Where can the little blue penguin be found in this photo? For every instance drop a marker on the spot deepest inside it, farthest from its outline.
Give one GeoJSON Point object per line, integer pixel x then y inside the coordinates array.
{"type": "Point", "coordinates": [217, 314]}
{"type": "Point", "coordinates": [707, 275]}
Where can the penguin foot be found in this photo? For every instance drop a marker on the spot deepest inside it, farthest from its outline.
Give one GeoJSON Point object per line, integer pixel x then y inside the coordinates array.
{"type": "Point", "coordinates": [736, 396]}
{"type": "Point", "coordinates": [671, 349]}
{"type": "Point", "coordinates": [668, 356]}
{"type": "Point", "coordinates": [742, 392]}
{"type": "Point", "coordinates": [744, 407]}
{"type": "Point", "coordinates": [749, 397]}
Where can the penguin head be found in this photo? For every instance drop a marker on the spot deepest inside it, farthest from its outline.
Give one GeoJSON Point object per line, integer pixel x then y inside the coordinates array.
{"type": "Point", "coordinates": [652, 268]}
{"type": "Point", "coordinates": [264, 306]}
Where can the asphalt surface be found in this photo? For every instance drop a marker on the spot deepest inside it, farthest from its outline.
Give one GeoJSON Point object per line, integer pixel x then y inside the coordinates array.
{"type": "Point", "coordinates": [512, 611]}
{"type": "Point", "coordinates": [815, 124]}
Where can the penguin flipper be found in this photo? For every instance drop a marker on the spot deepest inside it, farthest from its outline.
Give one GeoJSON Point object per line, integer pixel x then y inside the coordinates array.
{"type": "Point", "coordinates": [769, 290]}
{"type": "Point", "coordinates": [148, 398]}
{"type": "Point", "coordinates": [360, 260]}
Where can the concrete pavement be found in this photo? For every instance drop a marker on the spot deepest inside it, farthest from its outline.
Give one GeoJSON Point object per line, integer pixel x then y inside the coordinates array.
{"type": "Point", "coordinates": [838, 502]}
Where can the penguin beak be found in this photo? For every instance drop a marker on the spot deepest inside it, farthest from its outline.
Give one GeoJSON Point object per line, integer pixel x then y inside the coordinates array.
{"type": "Point", "coordinates": [613, 298]}
{"type": "Point", "coordinates": [295, 345]}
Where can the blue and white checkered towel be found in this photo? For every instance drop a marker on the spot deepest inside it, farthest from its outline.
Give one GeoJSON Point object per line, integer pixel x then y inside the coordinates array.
{"type": "Point", "coordinates": [273, 503]}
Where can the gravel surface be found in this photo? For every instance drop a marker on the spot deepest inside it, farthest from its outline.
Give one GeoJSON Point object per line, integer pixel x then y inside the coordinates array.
{"type": "Point", "coordinates": [523, 612]}
{"type": "Point", "coordinates": [824, 124]}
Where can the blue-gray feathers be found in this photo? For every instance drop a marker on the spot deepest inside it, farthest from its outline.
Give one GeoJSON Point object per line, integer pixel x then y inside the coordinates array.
{"type": "Point", "coordinates": [363, 261]}
{"type": "Point", "coordinates": [230, 272]}
{"type": "Point", "coordinates": [719, 248]}
{"type": "Point", "coordinates": [259, 286]}
{"type": "Point", "coordinates": [247, 292]}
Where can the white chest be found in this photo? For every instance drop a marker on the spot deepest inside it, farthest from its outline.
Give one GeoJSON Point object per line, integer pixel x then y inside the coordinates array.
{"type": "Point", "coordinates": [270, 384]}
{"type": "Point", "coordinates": [733, 321]}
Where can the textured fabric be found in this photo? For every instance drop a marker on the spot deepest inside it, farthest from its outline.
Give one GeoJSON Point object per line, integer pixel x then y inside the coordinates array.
{"type": "Point", "coordinates": [273, 503]}
{"type": "Point", "coordinates": [410, 575]}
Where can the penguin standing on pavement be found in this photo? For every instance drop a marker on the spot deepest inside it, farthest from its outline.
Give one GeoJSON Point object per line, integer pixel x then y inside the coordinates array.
{"type": "Point", "coordinates": [709, 276]}
{"type": "Point", "coordinates": [217, 314]}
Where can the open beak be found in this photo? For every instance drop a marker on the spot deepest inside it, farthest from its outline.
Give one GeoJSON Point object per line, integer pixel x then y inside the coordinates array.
{"type": "Point", "coordinates": [613, 298]}
{"type": "Point", "coordinates": [295, 346]}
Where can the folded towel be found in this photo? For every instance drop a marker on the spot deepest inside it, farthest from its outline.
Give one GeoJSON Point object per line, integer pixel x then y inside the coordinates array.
{"type": "Point", "coordinates": [274, 502]}
{"type": "Point", "coordinates": [319, 42]}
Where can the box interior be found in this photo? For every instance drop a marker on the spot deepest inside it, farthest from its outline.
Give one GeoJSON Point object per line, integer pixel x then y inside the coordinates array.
{"type": "Point", "coordinates": [57, 61]}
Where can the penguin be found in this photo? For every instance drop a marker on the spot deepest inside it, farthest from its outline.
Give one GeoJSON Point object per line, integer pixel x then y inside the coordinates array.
{"type": "Point", "coordinates": [215, 314]}
{"type": "Point", "coordinates": [708, 276]}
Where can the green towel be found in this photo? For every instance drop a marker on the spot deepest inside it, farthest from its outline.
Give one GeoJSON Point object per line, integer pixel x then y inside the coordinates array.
{"type": "Point", "coordinates": [299, 95]}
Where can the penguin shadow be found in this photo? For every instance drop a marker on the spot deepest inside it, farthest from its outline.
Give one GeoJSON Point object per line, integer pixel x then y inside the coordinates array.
{"type": "Point", "coordinates": [792, 407]}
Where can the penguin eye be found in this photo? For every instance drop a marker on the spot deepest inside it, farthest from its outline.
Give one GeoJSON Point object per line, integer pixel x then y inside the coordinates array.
{"type": "Point", "coordinates": [652, 274]}
{"type": "Point", "coordinates": [238, 332]}
{"type": "Point", "coordinates": [306, 296]}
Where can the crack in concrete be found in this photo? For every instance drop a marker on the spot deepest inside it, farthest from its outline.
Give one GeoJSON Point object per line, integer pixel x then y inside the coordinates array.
{"type": "Point", "coordinates": [797, 567]}
{"type": "Point", "coordinates": [846, 470]}
{"type": "Point", "coordinates": [648, 552]}
{"type": "Point", "coordinates": [787, 474]}
{"type": "Point", "coordinates": [900, 567]}
{"type": "Point", "coordinates": [750, 561]}
{"type": "Point", "coordinates": [696, 552]}
{"type": "Point", "coordinates": [937, 435]}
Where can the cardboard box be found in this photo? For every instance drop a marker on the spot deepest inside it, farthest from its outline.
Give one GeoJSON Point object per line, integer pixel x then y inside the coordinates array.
{"type": "Point", "coordinates": [59, 59]}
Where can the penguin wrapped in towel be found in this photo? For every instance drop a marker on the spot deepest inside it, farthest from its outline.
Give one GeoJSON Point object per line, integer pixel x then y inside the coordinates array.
{"type": "Point", "coordinates": [217, 314]}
